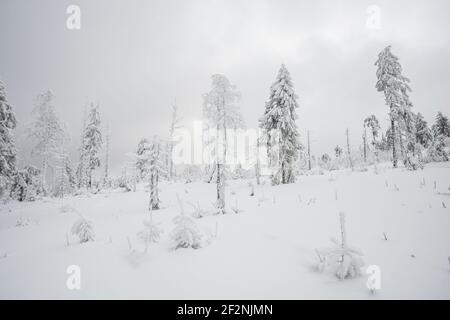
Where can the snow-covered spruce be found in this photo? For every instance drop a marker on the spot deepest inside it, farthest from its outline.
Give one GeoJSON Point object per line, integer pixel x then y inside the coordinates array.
{"type": "Point", "coordinates": [84, 230]}
{"type": "Point", "coordinates": [142, 161]}
{"type": "Point", "coordinates": [343, 260]}
{"type": "Point", "coordinates": [8, 169]}
{"type": "Point", "coordinates": [186, 234]}
{"type": "Point", "coordinates": [27, 184]}
{"type": "Point", "coordinates": [91, 145]}
{"type": "Point", "coordinates": [47, 132]}
{"type": "Point", "coordinates": [280, 130]}
{"type": "Point", "coordinates": [156, 171]}
{"type": "Point", "coordinates": [395, 87]}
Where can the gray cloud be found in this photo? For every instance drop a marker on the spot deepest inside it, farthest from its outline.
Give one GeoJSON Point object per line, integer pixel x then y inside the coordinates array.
{"type": "Point", "coordinates": [136, 57]}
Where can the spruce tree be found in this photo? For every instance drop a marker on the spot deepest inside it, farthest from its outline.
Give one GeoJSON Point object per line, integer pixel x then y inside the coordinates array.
{"type": "Point", "coordinates": [47, 132]}
{"type": "Point", "coordinates": [8, 152]}
{"type": "Point", "coordinates": [142, 161]}
{"type": "Point", "coordinates": [279, 128]}
{"type": "Point", "coordinates": [424, 135]}
{"type": "Point", "coordinates": [441, 126]}
{"type": "Point", "coordinates": [156, 172]}
{"type": "Point", "coordinates": [91, 144]}
{"type": "Point", "coordinates": [395, 87]}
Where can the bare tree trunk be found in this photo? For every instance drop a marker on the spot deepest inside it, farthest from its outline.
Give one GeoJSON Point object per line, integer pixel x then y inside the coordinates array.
{"type": "Point", "coordinates": [394, 151]}
{"type": "Point", "coordinates": [348, 151]}
{"type": "Point", "coordinates": [258, 164]}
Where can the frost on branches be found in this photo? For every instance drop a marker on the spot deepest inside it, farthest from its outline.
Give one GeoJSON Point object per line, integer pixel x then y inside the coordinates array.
{"type": "Point", "coordinates": [27, 184]}
{"type": "Point", "coordinates": [142, 161]}
{"type": "Point", "coordinates": [186, 234]}
{"type": "Point", "coordinates": [8, 169]}
{"type": "Point", "coordinates": [395, 87]}
{"type": "Point", "coordinates": [91, 145]}
{"type": "Point", "coordinates": [84, 230]}
{"type": "Point", "coordinates": [47, 132]}
{"type": "Point", "coordinates": [280, 130]}
{"type": "Point", "coordinates": [221, 111]}
{"type": "Point", "coordinates": [156, 171]}
{"type": "Point", "coordinates": [343, 260]}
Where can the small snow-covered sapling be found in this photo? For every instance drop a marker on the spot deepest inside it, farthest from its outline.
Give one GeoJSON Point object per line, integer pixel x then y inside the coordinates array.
{"type": "Point", "coordinates": [186, 233]}
{"type": "Point", "coordinates": [236, 208]}
{"type": "Point", "coordinates": [83, 229]}
{"type": "Point", "coordinates": [344, 261]}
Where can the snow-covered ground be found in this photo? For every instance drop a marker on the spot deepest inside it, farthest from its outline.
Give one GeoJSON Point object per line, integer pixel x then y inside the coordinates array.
{"type": "Point", "coordinates": [266, 251]}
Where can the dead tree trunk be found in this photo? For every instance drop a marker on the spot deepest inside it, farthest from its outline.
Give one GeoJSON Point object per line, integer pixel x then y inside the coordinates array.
{"type": "Point", "coordinates": [348, 151]}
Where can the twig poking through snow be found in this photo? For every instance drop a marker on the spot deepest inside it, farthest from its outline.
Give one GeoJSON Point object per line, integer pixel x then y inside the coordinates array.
{"type": "Point", "coordinates": [385, 236]}
{"type": "Point", "coordinates": [443, 205]}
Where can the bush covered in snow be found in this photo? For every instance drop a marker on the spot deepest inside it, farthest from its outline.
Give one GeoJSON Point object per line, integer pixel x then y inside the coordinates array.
{"type": "Point", "coordinates": [186, 234]}
{"type": "Point", "coordinates": [84, 230]}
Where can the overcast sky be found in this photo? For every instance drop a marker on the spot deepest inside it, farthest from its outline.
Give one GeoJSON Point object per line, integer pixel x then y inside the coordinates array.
{"type": "Point", "coordinates": [135, 57]}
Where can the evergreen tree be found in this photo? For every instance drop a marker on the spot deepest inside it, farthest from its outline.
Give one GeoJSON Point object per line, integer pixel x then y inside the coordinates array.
{"type": "Point", "coordinates": [424, 135]}
{"type": "Point", "coordinates": [338, 151]}
{"type": "Point", "coordinates": [395, 88]}
{"type": "Point", "coordinates": [279, 128]}
{"type": "Point", "coordinates": [8, 152]}
{"type": "Point", "coordinates": [92, 142]}
{"type": "Point", "coordinates": [47, 132]}
{"type": "Point", "coordinates": [106, 181]}
{"type": "Point", "coordinates": [442, 126]}
{"type": "Point", "coordinates": [142, 161]}
{"type": "Point", "coordinates": [156, 171]}
{"type": "Point", "coordinates": [174, 125]}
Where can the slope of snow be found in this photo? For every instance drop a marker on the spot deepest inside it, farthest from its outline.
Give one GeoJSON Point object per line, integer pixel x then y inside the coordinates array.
{"type": "Point", "coordinates": [266, 251]}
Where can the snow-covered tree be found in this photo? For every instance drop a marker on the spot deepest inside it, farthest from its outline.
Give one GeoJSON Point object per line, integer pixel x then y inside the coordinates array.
{"type": "Point", "coordinates": [174, 125]}
{"type": "Point", "coordinates": [106, 180]}
{"type": "Point", "coordinates": [279, 128]}
{"type": "Point", "coordinates": [395, 87]}
{"type": "Point", "coordinates": [91, 144]}
{"type": "Point", "coordinates": [186, 233]}
{"type": "Point", "coordinates": [64, 178]}
{"type": "Point", "coordinates": [8, 152]}
{"type": "Point", "coordinates": [345, 261]}
{"type": "Point", "coordinates": [441, 127]}
{"type": "Point", "coordinates": [142, 161]}
{"type": "Point", "coordinates": [221, 111]}
{"type": "Point", "coordinates": [438, 150]}
{"type": "Point", "coordinates": [156, 171]}
{"type": "Point", "coordinates": [27, 184]}
{"type": "Point", "coordinates": [84, 230]}
{"type": "Point", "coordinates": [424, 135]}
{"type": "Point", "coordinates": [47, 132]}
{"type": "Point", "coordinates": [338, 151]}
